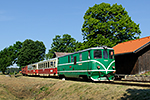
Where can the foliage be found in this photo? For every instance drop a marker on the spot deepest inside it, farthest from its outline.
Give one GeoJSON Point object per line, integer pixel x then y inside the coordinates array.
{"type": "Point", "coordinates": [64, 44]}
{"type": "Point", "coordinates": [99, 41]}
{"type": "Point", "coordinates": [9, 56]}
{"type": "Point", "coordinates": [12, 70]}
{"type": "Point", "coordinates": [112, 22]}
{"type": "Point", "coordinates": [31, 52]}
{"type": "Point", "coordinates": [6, 58]}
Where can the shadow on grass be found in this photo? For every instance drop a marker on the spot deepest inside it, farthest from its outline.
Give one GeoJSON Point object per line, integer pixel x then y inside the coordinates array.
{"type": "Point", "coordinates": [136, 94]}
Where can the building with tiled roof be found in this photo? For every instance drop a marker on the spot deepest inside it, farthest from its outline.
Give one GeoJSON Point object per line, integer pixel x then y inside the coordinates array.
{"type": "Point", "coordinates": [133, 46]}
{"type": "Point", "coordinates": [133, 57]}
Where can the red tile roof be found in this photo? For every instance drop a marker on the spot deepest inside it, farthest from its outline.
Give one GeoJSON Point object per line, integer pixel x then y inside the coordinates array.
{"type": "Point", "coordinates": [132, 46]}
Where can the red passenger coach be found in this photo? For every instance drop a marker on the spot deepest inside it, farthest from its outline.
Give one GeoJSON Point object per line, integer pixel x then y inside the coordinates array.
{"type": "Point", "coordinates": [43, 68]}
{"type": "Point", "coordinates": [48, 67]}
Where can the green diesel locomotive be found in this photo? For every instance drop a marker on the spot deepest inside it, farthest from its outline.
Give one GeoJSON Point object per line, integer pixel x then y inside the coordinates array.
{"type": "Point", "coordinates": [96, 63]}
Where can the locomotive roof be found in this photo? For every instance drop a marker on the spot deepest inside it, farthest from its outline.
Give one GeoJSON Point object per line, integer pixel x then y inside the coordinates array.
{"type": "Point", "coordinates": [103, 47]}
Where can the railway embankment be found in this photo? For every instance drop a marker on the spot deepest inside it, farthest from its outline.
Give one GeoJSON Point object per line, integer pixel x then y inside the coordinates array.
{"type": "Point", "coordinates": [39, 88]}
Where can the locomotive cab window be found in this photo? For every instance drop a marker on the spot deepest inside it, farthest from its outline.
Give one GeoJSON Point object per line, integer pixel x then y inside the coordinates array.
{"type": "Point", "coordinates": [97, 54]}
{"type": "Point", "coordinates": [111, 54]}
{"type": "Point", "coordinates": [105, 54]}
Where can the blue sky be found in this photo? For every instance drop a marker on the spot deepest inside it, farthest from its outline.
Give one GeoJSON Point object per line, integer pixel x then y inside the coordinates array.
{"type": "Point", "coordinates": [44, 19]}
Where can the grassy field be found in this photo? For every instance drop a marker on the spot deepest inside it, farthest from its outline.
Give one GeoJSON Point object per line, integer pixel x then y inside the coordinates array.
{"type": "Point", "coordinates": [37, 88]}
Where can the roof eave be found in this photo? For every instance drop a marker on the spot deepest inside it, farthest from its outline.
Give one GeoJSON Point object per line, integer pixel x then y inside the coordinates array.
{"type": "Point", "coordinates": [123, 53]}
{"type": "Point", "coordinates": [137, 50]}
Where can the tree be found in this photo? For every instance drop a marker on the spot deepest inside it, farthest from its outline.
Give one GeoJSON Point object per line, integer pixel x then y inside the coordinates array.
{"type": "Point", "coordinates": [31, 52]}
{"type": "Point", "coordinates": [6, 58]}
{"type": "Point", "coordinates": [112, 22]}
{"type": "Point", "coordinates": [9, 56]}
{"type": "Point", "coordinates": [64, 44]}
{"type": "Point", "coordinates": [16, 49]}
{"type": "Point", "coordinates": [99, 41]}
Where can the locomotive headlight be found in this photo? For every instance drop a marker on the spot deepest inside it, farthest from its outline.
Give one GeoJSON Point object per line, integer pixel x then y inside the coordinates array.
{"type": "Point", "coordinates": [113, 67]}
{"type": "Point", "coordinates": [98, 67]}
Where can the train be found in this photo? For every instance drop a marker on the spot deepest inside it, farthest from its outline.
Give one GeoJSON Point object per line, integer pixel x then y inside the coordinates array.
{"type": "Point", "coordinates": [96, 64]}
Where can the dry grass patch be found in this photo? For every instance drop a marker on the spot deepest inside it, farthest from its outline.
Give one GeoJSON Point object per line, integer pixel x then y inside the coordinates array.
{"type": "Point", "coordinates": [37, 88]}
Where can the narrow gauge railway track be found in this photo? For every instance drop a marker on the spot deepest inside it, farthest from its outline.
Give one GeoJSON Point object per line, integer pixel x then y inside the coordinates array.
{"type": "Point", "coordinates": [127, 83]}
{"type": "Point", "coordinates": [119, 82]}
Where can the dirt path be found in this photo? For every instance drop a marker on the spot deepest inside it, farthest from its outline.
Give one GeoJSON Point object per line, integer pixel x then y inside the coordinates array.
{"type": "Point", "coordinates": [37, 88]}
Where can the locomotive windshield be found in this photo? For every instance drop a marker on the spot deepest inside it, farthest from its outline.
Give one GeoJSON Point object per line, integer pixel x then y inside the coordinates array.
{"type": "Point", "coordinates": [97, 54]}
{"type": "Point", "coordinates": [106, 54]}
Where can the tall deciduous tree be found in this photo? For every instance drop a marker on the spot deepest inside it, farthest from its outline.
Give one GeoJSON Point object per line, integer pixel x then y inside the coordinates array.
{"type": "Point", "coordinates": [9, 56]}
{"type": "Point", "coordinates": [112, 23]}
{"type": "Point", "coordinates": [31, 52]}
{"type": "Point", "coordinates": [64, 44]}
{"type": "Point", "coordinates": [6, 58]}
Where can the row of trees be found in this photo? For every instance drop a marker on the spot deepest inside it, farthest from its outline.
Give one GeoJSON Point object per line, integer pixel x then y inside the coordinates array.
{"type": "Point", "coordinates": [104, 24]}
{"type": "Point", "coordinates": [22, 54]}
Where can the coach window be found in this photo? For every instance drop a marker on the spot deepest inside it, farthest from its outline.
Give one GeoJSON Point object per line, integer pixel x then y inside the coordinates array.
{"type": "Point", "coordinates": [105, 54]}
{"type": "Point", "coordinates": [80, 56]}
{"type": "Point", "coordinates": [54, 64]}
{"type": "Point", "coordinates": [111, 54]}
{"type": "Point", "coordinates": [48, 64]}
{"type": "Point", "coordinates": [44, 65]}
{"type": "Point", "coordinates": [51, 64]}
